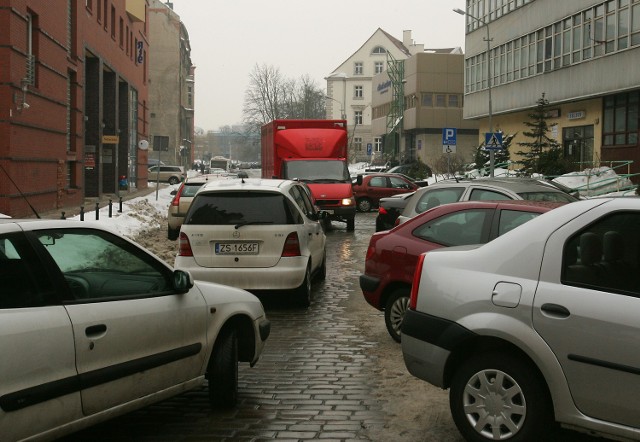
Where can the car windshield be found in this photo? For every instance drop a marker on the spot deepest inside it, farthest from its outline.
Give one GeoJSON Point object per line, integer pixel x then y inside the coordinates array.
{"type": "Point", "coordinates": [317, 171]}
{"type": "Point", "coordinates": [547, 196]}
{"type": "Point", "coordinates": [241, 208]}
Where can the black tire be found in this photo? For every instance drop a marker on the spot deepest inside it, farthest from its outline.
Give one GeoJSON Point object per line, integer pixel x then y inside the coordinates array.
{"type": "Point", "coordinates": [364, 205]}
{"type": "Point", "coordinates": [351, 224]}
{"type": "Point", "coordinates": [172, 234]}
{"type": "Point", "coordinates": [479, 391]}
{"type": "Point", "coordinates": [302, 295]}
{"type": "Point", "coordinates": [223, 371]}
{"type": "Point", "coordinates": [173, 180]}
{"type": "Point", "coordinates": [322, 271]}
{"type": "Point", "coordinates": [394, 312]}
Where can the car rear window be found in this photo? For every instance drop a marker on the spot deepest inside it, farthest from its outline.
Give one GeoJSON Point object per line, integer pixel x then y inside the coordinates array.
{"type": "Point", "coordinates": [190, 189]}
{"type": "Point", "coordinates": [231, 208]}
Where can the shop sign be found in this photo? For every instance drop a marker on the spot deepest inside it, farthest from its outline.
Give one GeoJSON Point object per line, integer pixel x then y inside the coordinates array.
{"type": "Point", "coordinates": [576, 115]}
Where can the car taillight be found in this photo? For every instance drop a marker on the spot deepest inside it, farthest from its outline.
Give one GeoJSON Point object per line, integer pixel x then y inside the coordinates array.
{"type": "Point", "coordinates": [184, 248]}
{"type": "Point", "coordinates": [291, 245]}
{"type": "Point", "coordinates": [176, 198]}
{"type": "Point", "coordinates": [415, 286]}
{"type": "Point", "coordinates": [382, 211]}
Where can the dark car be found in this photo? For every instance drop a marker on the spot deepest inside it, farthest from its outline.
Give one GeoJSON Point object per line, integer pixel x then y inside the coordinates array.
{"type": "Point", "coordinates": [392, 255]}
{"type": "Point", "coordinates": [389, 209]}
{"type": "Point", "coordinates": [368, 189]}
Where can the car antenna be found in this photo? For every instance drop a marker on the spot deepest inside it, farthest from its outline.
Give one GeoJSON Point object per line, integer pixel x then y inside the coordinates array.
{"type": "Point", "coordinates": [19, 191]}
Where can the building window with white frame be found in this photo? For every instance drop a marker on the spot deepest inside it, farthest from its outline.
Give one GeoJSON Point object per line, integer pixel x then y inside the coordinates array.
{"type": "Point", "coordinates": [377, 144]}
{"type": "Point", "coordinates": [357, 92]}
{"type": "Point", "coordinates": [357, 144]}
{"type": "Point", "coordinates": [357, 116]}
{"type": "Point", "coordinates": [378, 67]}
{"type": "Point", "coordinates": [358, 68]}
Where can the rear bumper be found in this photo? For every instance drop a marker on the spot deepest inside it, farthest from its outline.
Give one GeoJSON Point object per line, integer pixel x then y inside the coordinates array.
{"type": "Point", "coordinates": [287, 275]}
{"type": "Point", "coordinates": [370, 287]}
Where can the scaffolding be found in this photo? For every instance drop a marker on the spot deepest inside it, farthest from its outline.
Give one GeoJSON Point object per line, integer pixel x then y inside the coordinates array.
{"type": "Point", "coordinates": [391, 145]}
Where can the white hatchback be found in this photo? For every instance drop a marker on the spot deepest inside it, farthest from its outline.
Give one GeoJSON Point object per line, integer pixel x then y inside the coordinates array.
{"type": "Point", "coordinates": [255, 234]}
{"type": "Point", "coordinates": [93, 326]}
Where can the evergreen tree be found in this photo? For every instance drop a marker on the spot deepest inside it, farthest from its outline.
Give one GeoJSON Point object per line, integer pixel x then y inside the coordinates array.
{"type": "Point", "coordinates": [540, 146]}
{"type": "Point", "coordinates": [482, 158]}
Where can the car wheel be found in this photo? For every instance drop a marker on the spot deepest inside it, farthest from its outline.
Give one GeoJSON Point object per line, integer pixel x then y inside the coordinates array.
{"type": "Point", "coordinates": [223, 371]}
{"type": "Point", "coordinates": [498, 397]}
{"type": "Point", "coordinates": [394, 312]}
{"type": "Point", "coordinates": [173, 180]}
{"type": "Point", "coordinates": [364, 204]}
{"type": "Point", "coordinates": [351, 224]}
{"type": "Point", "coordinates": [172, 234]}
{"type": "Point", "coordinates": [322, 271]}
{"type": "Point", "coordinates": [303, 293]}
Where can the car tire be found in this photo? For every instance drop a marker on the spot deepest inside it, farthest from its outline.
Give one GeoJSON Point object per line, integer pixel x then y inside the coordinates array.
{"type": "Point", "coordinates": [351, 224]}
{"type": "Point", "coordinates": [395, 310]}
{"type": "Point", "coordinates": [364, 205]}
{"type": "Point", "coordinates": [506, 392]}
{"type": "Point", "coordinates": [322, 271]}
{"type": "Point", "coordinates": [302, 294]}
{"type": "Point", "coordinates": [173, 180]}
{"type": "Point", "coordinates": [172, 234]}
{"type": "Point", "coordinates": [222, 372]}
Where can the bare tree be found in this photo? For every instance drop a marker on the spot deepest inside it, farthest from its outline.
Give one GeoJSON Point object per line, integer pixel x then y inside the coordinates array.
{"type": "Point", "coordinates": [271, 96]}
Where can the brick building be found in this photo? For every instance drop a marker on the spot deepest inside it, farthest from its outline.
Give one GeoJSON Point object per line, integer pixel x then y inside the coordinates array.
{"type": "Point", "coordinates": [73, 101]}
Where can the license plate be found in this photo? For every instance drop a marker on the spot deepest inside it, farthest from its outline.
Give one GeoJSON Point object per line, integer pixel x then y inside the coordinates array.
{"type": "Point", "coordinates": [236, 248]}
{"type": "Point", "coordinates": [330, 212]}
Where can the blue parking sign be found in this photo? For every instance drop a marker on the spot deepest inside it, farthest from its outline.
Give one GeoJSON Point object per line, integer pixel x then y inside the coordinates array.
{"type": "Point", "coordinates": [449, 136]}
{"type": "Point", "coordinates": [369, 148]}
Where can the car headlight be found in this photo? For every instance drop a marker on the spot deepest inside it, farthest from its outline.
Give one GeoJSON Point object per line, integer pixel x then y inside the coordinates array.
{"type": "Point", "coordinates": [347, 202]}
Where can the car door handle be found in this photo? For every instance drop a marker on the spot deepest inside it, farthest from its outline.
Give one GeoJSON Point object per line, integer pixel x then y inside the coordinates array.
{"type": "Point", "coordinates": [556, 310]}
{"type": "Point", "coordinates": [95, 330]}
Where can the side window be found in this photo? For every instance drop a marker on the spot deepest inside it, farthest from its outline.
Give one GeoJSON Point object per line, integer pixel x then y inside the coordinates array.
{"type": "Point", "coordinates": [308, 204]}
{"type": "Point", "coordinates": [510, 219]}
{"type": "Point", "coordinates": [97, 264]}
{"type": "Point", "coordinates": [457, 229]}
{"type": "Point", "coordinates": [487, 195]}
{"type": "Point", "coordinates": [435, 197]}
{"type": "Point", "coordinates": [297, 195]}
{"type": "Point", "coordinates": [378, 181]}
{"type": "Point", "coordinates": [398, 183]}
{"type": "Point", "coordinates": [605, 256]}
{"type": "Point", "coordinates": [23, 283]}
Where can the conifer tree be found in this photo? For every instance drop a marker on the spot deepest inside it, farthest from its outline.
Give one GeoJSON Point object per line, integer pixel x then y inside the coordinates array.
{"type": "Point", "coordinates": [539, 145]}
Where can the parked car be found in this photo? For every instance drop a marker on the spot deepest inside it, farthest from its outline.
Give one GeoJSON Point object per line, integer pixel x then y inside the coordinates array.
{"type": "Point", "coordinates": [392, 255]}
{"type": "Point", "coordinates": [169, 174]}
{"type": "Point", "coordinates": [539, 325]}
{"type": "Point", "coordinates": [181, 201]}
{"type": "Point", "coordinates": [481, 189]}
{"type": "Point", "coordinates": [256, 234]}
{"type": "Point", "coordinates": [368, 189]}
{"type": "Point", "coordinates": [93, 326]}
{"type": "Point", "coordinates": [389, 209]}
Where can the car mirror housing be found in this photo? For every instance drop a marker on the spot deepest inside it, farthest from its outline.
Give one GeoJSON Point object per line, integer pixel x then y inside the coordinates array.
{"type": "Point", "coordinates": [182, 281]}
{"type": "Point", "coordinates": [359, 180]}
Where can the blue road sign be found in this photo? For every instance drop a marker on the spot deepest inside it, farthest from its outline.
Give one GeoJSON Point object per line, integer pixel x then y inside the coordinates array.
{"type": "Point", "coordinates": [369, 148]}
{"type": "Point", "coordinates": [493, 140]}
{"type": "Point", "coordinates": [449, 136]}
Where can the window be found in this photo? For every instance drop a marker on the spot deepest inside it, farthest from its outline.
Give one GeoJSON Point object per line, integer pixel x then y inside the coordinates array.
{"type": "Point", "coordinates": [487, 195]}
{"type": "Point", "coordinates": [88, 4]}
{"type": "Point", "coordinates": [510, 219]}
{"type": "Point", "coordinates": [357, 68]}
{"type": "Point", "coordinates": [427, 100]}
{"type": "Point", "coordinates": [379, 50]}
{"type": "Point", "coordinates": [99, 9]}
{"type": "Point", "coordinates": [231, 208]}
{"type": "Point", "coordinates": [378, 181]}
{"type": "Point", "coordinates": [441, 100]}
{"type": "Point", "coordinates": [357, 92]}
{"type": "Point", "coordinates": [605, 255]}
{"type": "Point", "coordinates": [377, 144]}
{"type": "Point", "coordinates": [357, 144]}
{"type": "Point", "coordinates": [121, 32]}
{"type": "Point", "coordinates": [113, 22]}
{"type": "Point", "coordinates": [32, 49]}
{"type": "Point", "coordinates": [621, 114]}
{"type": "Point", "coordinates": [456, 229]}
{"type": "Point", "coordinates": [378, 67]}
{"type": "Point", "coordinates": [453, 101]}
{"type": "Point", "coordinates": [106, 12]}
{"type": "Point", "coordinates": [357, 117]}
{"type": "Point", "coordinates": [435, 197]}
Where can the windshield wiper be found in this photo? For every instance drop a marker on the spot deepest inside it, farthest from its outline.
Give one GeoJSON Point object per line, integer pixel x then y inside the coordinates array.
{"type": "Point", "coordinates": [246, 223]}
{"type": "Point", "coordinates": [327, 180]}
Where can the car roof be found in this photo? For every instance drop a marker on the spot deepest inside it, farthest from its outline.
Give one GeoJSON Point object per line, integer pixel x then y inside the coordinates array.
{"type": "Point", "coordinates": [255, 184]}
{"type": "Point", "coordinates": [514, 184]}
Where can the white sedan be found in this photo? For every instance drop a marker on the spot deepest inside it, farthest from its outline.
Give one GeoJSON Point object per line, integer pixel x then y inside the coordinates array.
{"type": "Point", "coordinates": [93, 326]}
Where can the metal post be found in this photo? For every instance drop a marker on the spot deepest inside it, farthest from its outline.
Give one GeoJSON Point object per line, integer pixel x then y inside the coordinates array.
{"type": "Point", "coordinates": [110, 208]}
{"type": "Point", "coordinates": [120, 206]}
{"type": "Point", "coordinates": [81, 213]}
{"type": "Point", "coordinates": [97, 211]}
{"type": "Point", "coordinates": [63, 217]}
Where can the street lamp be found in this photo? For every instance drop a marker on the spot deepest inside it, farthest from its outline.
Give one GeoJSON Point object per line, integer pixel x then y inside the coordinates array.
{"type": "Point", "coordinates": [488, 40]}
{"type": "Point", "coordinates": [342, 114]}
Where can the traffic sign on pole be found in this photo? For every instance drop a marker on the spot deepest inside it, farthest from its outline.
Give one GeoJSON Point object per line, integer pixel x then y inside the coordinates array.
{"type": "Point", "coordinates": [449, 136]}
{"type": "Point", "coordinates": [493, 140]}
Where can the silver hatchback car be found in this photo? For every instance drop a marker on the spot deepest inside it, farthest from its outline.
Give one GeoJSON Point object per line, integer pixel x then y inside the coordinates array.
{"type": "Point", "coordinates": [538, 326]}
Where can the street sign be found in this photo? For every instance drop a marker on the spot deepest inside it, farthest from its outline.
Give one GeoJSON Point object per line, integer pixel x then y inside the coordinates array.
{"type": "Point", "coordinates": [369, 148]}
{"type": "Point", "coordinates": [449, 136]}
{"type": "Point", "coordinates": [493, 140]}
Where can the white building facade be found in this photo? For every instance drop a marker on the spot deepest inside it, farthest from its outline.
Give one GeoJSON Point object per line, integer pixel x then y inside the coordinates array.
{"type": "Point", "coordinates": [582, 54]}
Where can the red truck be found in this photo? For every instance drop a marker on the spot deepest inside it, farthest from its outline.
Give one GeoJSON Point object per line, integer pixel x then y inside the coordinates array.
{"type": "Point", "coordinates": [315, 152]}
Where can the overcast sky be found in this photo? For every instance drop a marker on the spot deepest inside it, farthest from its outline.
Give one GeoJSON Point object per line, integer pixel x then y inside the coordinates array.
{"type": "Point", "coordinates": [228, 38]}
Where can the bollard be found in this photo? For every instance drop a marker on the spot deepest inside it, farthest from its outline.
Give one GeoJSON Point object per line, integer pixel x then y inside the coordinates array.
{"type": "Point", "coordinates": [97, 211]}
{"type": "Point", "coordinates": [81, 213]}
{"type": "Point", "coordinates": [110, 209]}
{"type": "Point", "coordinates": [120, 207]}
{"type": "Point", "coordinates": [62, 217]}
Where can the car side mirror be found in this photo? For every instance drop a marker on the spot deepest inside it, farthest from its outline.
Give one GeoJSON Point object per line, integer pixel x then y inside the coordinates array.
{"type": "Point", "coordinates": [182, 281]}
{"type": "Point", "coordinates": [173, 192]}
{"type": "Point", "coordinates": [359, 180]}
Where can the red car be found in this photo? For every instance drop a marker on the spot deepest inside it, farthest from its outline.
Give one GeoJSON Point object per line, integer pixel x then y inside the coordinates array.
{"type": "Point", "coordinates": [392, 255]}
{"type": "Point", "coordinates": [368, 189]}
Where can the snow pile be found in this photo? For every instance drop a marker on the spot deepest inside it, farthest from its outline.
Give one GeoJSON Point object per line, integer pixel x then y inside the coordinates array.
{"type": "Point", "coordinates": [597, 181]}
